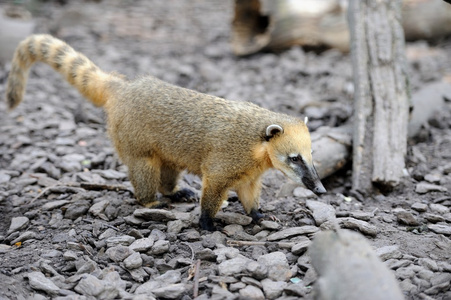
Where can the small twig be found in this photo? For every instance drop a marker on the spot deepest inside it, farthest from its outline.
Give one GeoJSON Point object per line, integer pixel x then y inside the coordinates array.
{"type": "Point", "coordinates": [234, 243]}
{"type": "Point", "coordinates": [196, 280]}
{"type": "Point", "coordinates": [103, 224]}
{"type": "Point", "coordinates": [192, 251]}
{"type": "Point", "coordinates": [43, 192]}
{"type": "Point", "coordinates": [100, 187]}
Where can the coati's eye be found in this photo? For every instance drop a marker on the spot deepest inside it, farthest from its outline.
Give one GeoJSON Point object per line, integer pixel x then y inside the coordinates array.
{"type": "Point", "coordinates": [295, 158]}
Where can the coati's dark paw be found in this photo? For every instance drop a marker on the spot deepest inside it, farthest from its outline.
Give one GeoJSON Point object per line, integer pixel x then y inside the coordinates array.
{"type": "Point", "coordinates": [257, 217]}
{"type": "Point", "coordinates": [206, 222]}
{"type": "Point", "coordinates": [184, 195]}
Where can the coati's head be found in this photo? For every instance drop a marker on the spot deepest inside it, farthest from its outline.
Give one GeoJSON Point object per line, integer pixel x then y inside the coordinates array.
{"type": "Point", "coordinates": [290, 150]}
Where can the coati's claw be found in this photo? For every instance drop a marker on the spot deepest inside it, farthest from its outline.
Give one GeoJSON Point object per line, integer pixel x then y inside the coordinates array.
{"type": "Point", "coordinates": [206, 222]}
{"type": "Point", "coordinates": [157, 204]}
{"type": "Point", "coordinates": [183, 195]}
{"type": "Point", "coordinates": [257, 216]}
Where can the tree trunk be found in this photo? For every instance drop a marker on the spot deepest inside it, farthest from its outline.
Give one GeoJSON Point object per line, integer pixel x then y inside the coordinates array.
{"type": "Point", "coordinates": [381, 100]}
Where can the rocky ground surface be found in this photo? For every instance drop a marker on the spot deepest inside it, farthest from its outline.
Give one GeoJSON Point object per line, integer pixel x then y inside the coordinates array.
{"type": "Point", "coordinates": [71, 228]}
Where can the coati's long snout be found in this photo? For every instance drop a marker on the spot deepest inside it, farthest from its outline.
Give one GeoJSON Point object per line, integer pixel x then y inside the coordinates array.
{"type": "Point", "coordinates": [311, 180]}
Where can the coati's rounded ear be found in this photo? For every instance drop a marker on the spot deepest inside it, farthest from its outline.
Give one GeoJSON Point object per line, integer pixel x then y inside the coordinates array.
{"type": "Point", "coordinates": [305, 120]}
{"type": "Point", "coordinates": [272, 130]}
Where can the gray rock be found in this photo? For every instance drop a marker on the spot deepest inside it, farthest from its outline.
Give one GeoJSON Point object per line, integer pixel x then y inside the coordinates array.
{"type": "Point", "coordinates": [224, 253]}
{"type": "Point", "coordinates": [389, 252]}
{"type": "Point", "coordinates": [348, 268]}
{"type": "Point", "coordinates": [38, 281]}
{"type": "Point", "coordinates": [124, 240]}
{"type": "Point", "coordinates": [433, 218]}
{"type": "Point", "coordinates": [361, 215]}
{"type": "Point", "coordinates": [176, 226]}
{"type": "Point", "coordinates": [70, 255]}
{"type": "Point", "coordinates": [132, 220]}
{"type": "Point", "coordinates": [322, 212]}
{"type": "Point", "coordinates": [234, 218]}
{"type": "Point", "coordinates": [438, 208]}
{"type": "Point", "coordinates": [257, 270]}
{"type": "Point", "coordinates": [4, 177]}
{"type": "Point", "coordinates": [362, 226]}
{"type": "Point", "coordinates": [273, 289]}
{"type": "Point", "coordinates": [76, 210]}
{"type": "Point", "coordinates": [440, 229]}
{"type": "Point", "coordinates": [233, 287]}
{"type": "Point", "coordinates": [233, 266]}
{"type": "Point", "coordinates": [18, 223]}
{"type": "Point", "coordinates": [428, 263]}
{"type": "Point", "coordinates": [433, 178]}
{"type": "Point", "coordinates": [107, 234]}
{"type": "Point", "coordinates": [160, 247]}
{"type": "Point", "coordinates": [419, 207]}
{"type": "Point", "coordinates": [97, 208]}
{"type": "Point", "coordinates": [148, 287]}
{"type": "Point", "coordinates": [54, 204]}
{"type": "Point", "coordinates": [290, 232]}
{"type": "Point", "coordinates": [277, 264]}
{"type": "Point", "coordinates": [271, 225]}
{"type": "Point", "coordinates": [252, 292]}
{"type": "Point", "coordinates": [301, 247]}
{"type": "Point", "coordinates": [111, 174]}
{"type": "Point", "coordinates": [154, 214]}
{"type": "Point", "coordinates": [171, 276]}
{"type": "Point", "coordinates": [27, 235]}
{"type": "Point", "coordinates": [133, 261]}
{"type": "Point", "coordinates": [139, 274]}
{"type": "Point", "coordinates": [142, 245]}
{"type": "Point", "coordinates": [405, 272]}
{"type": "Point", "coordinates": [438, 288]}
{"type": "Point", "coordinates": [406, 218]}
{"type": "Point", "coordinates": [118, 253]}
{"type": "Point", "coordinates": [206, 254]}
{"type": "Point", "coordinates": [90, 285]}
{"type": "Point", "coordinates": [301, 192]}
{"type": "Point", "coordinates": [251, 281]}
{"type": "Point", "coordinates": [171, 291]}
{"type": "Point", "coordinates": [221, 293]}
{"type": "Point", "coordinates": [424, 187]}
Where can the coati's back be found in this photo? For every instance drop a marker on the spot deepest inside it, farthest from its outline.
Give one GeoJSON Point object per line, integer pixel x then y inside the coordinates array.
{"type": "Point", "coordinates": [185, 126]}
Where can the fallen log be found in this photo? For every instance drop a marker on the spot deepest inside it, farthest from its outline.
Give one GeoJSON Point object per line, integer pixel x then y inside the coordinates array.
{"type": "Point", "coordinates": [278, 24]}
{"type": "Point", "coordinates": [348, 268]}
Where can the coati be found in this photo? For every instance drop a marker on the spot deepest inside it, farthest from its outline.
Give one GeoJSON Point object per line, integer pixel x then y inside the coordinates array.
{"type": "Point", "coordinates": [159, 129]}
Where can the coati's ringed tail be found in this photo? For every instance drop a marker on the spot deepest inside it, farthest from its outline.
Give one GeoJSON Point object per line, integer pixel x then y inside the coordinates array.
{"type": "Point", "coordinates": [77, 69]}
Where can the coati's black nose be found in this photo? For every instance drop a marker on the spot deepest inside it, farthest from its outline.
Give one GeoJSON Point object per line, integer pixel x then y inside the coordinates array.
{"type": "Point", "coordinates": [319, 190]}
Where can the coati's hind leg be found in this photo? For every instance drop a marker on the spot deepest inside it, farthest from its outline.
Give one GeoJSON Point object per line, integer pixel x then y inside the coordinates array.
{"type": "Point", "coordinates": [249, 195]}
{"type": "Point", "coordinates": [168, 185]}
{"type": "Point", "coordinates": [144, 175]}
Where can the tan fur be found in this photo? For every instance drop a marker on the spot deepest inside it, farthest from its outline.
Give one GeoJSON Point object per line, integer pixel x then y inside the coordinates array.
{"type": "Point", "coordinates": [159, 129]}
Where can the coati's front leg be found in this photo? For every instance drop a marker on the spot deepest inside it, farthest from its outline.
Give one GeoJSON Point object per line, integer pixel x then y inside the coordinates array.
{"type": "Point", "coordinates": [144, 175]}
{"type": "Point", "coordinates": [168, 185]}
{"type": "Point", "coordinates": [249, 195]}
{"type": "Point", "coordinates": [213, 195]}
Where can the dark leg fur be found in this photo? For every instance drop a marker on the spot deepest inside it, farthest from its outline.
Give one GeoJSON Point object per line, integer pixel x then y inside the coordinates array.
{"type": "Point", "coordinates": [206, 222]}
{"type": "Point", "coordinates": [257, 216]}
{"type": "Point", "coordinates": [183, 195]}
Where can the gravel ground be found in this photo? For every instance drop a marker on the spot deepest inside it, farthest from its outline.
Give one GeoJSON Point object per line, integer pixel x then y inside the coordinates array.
{"type": "Point", "coordinates": [62, 238]}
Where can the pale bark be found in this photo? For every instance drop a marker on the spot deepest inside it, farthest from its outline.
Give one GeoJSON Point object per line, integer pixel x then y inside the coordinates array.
{"type": "Point", "coordinates": [381, 101]}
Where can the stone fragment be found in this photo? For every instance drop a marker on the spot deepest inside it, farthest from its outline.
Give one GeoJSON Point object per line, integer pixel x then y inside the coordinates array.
{"type": "Point", "coordinates": [233, 266]}
{"type": "Point", "coordinates": [170, 291]}
{"type": "Point", "coordinates": [252, 292]}
{"type": "Point", "coordinates": [224, 253]}
{"type": "Point", "coordinates": [301, 192]}
{"type": "Point", "coordinates": [38, 281]}
{"type": "Point", "coordinates": [91, 286]}
{"type": "Point", "coordinates": [361, 215]}
{"type": "Point", "coordinates": [118, 253]}
{"type": "Point", "coordinates": [160, 247]}
{"type": "Point", "coordinates": [271, 225]}
{"type": "Point", "coordinates": [293, 231]}
{"type": "Point", "coordinates": [257, 270]}
{"type": "Point", "coordinates": [27, 235]}
{"type": "Point", "coordinates": [419, 207]}
{"type": "Point", "coordinates": [206, 255]}
{"type": "Point", "coordinates": [273, 289]}
{"type": "Point", "coordinates": [407, 218]}
{"type": "Point", "coordinates": [440, 229]}
{"type": "Point", "coordinates": [97, 208]}
{"type": "Point", "coordinates": [54, 204]}
{"type": "Point", "coordinates": [76, 210]}
{"type": "Point", "coordinates": [438, 208]}
{"type": "Point", "coordinates": [389, 252]}
{"type": "Point", "coordinates": [176, 226]}
{"type": "Point", "coordinates": [301, 247]}
{"type": "Point", "coordinates": [133, 261]}
{"type": "Point", "coordinates": [428, 263]}
{"type": "Point", "coordinates": [233, 218]}
{"type": "Point", "coordinates": [142, 245]}
{"type": "Point", "coordinates": [151, 214]}
{"type": "Point", "coordinates": [277, 264]}
{"type": "Point", "coordinates": [222, 293]}
{"type": "Point", "coordinates": [424, 187]}
{"type": "Point", "coordinates": [18, 223]}
{"type": "Point", "coordinates": [70, 255]}
{"type": "Point", "coordinates": [362, 226]}
{"type": "Point", "coordinates": [322, 212]}
{"type": "Point", "coordinates": [124, 240]}
{"type": "Point", "coordinates": [171, 276]}
{"type": "Point", "coordinates": [433, 178]}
